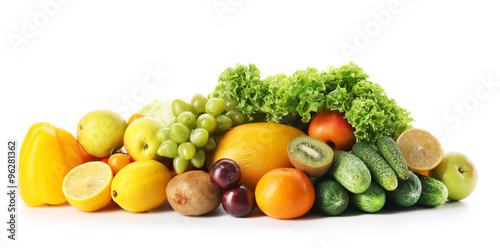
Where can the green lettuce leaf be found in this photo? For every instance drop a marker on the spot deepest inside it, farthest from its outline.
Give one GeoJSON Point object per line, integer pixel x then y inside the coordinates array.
{"type": "Point", "coordinates": [295, 99]}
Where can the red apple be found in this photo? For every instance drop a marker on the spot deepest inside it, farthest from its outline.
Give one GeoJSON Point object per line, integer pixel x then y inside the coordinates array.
{"type": "Point", "coordinates": [332, 128]}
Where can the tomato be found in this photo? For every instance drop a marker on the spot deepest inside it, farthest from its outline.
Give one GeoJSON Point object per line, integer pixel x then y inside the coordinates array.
{"type": "Point", "coordinates": [117, 161]}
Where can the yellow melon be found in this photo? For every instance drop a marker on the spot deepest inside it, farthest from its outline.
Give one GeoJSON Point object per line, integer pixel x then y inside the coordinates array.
{"type": "Point", "coordinates": [256, 147]}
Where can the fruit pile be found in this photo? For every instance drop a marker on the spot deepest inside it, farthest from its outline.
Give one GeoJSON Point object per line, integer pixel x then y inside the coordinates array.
{"type": "Point", "coordinates": [200, 153]}
{"type": "Point", "coordinates": [132, 163]}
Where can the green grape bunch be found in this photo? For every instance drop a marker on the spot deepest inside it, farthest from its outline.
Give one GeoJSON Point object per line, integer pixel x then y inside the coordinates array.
{"type": "Point", "coordinates": [192, 133]}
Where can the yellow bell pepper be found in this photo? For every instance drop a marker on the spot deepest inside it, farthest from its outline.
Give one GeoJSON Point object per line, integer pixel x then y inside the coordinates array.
{"type": "Point", "coordinates": [47, 154]}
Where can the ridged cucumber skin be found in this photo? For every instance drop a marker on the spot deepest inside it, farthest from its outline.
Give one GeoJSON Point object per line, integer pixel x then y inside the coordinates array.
{"type": "Point", "coordinates": [434, 192]}
{"type": "Point", "coordinates": [380, 170]}
{"type": "Point", "coordinates": [350, 171]}
{"type": "Point", "coordinates": [375, 147]}
{"type": "Point", "coordinates": [408, 191]}
{"type": "Point", "coordinates": [331, 198]}
{"type": "Point", "coordinates": [391, 153]}
{"type": "Point", "coordinates": [372, 200]}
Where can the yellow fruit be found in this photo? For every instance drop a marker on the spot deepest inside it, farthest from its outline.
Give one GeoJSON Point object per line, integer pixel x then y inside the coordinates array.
{"type": "Point", "coordinates": [421, 149]}
{"type": "Point", "coordinates": [100, 132]}
{"type": "Point", "coordinates": [140, 139]}
{"type": "Point", "coordinates": [140, 186]}
{"type": "Point", "coordinates": [87, 186]}
{"type": "Point", "coordinates": [257, 148]}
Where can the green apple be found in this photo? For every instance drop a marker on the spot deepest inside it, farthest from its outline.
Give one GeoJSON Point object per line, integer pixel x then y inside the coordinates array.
{"type": "Point", "coordinates": [100, 132]}
{"type": "Point", "coordinates": [458, 173]}
{"type": "Point", "coordinates": [140, 139]}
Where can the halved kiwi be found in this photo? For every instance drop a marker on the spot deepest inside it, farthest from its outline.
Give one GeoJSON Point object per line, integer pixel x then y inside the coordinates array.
{"type": "Point", "coordinates": [310, 155]}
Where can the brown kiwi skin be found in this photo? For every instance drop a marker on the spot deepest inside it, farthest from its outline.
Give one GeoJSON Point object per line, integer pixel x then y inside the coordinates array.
{"type": "Point", "coordinates": [309, 170]}
{"type": "Point", "coordinates": [192, 193]}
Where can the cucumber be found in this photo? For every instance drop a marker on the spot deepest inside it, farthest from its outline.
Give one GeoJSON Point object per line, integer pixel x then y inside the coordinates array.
{"type": "Point", "coordinates": [434, 192]}
{"type": "Point", "coordinates": [391, 153]}
{"type": "Point", "coordinates": [374, 146]}
{"type": "Point", "coordinates": [331, 197]}
{"type": "Point", "coordinates": [372, 200]}
{"type": "Point", "coordinates": [315, 180]}
{"type": "Point", "coordinates": [350, 171]}
{"type": "Point", "coordinates": [380, 170]}
{"type": "Point", "coordinates": [407, 192]}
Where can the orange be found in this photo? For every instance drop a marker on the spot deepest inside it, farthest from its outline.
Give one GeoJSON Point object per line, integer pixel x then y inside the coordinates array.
{"type": "Point", "coordinates": [421, 149]}
{"type": "Point", "coordinates": [256, 147]}
{"type": "Point", "coordinates": [285, 193]}
{"type": "Point", "coordinates": [425, 173]}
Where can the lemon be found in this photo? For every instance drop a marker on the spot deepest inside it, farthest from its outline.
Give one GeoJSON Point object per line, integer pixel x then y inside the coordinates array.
{"type": "Point", "coordinates": [88, 185]}
{"type": "Point", "coordinates": [140, 186]}
{"type": "Point", "coordinates": [421, 149]}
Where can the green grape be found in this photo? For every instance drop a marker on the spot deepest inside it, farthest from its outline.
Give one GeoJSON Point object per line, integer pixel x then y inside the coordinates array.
{"type": "Point", "coordinates": [236, 116]}
{"type": "Point", "coordinates": [163, 134]}
{"type": "Point", "coordinates": [207, 122]}
{"type": "Point", "coordinates": [199, 158]}
{"type": "Point", "coordinates": [168, 149]}
{"type": "Point", "coordinates": [231, 104]}
{"type": "Point", "coordinates": [224, 123]}
{"type": "Point", "coordinates": [187, 118]}
{"type": "Point", "coordinates": [180, 165]}
{"type": "Point", "coordinates": [179, 133]}
{"type": "Point", "coordinates": [179, 106]}
{"type": "Point", "coordinates": [198, 102]}
{"type": "Point", "coordinates": [186, 150]}
{"type": "Point", "coordinates": [172, 122]}
{"type": "Point", "coordinates": [199, 137]}
{"type": "Point", "coordinates": [215, 106]}
{"type": "Point", "coordinates": [210, 146]}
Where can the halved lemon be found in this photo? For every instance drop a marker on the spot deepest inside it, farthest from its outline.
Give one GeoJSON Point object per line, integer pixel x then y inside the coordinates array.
{"type": "Point", "coordinates": [88, 186]}
{"type": "Point", "coordinates": [421, 149]}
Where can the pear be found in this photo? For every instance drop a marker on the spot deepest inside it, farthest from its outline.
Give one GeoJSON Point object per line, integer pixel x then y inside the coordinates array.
{"type": "Point", "coordinates": [100, 132]}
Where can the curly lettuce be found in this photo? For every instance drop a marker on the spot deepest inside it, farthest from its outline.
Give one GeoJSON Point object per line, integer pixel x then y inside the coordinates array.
{"type": "Point", "coordinates": [295, 99]}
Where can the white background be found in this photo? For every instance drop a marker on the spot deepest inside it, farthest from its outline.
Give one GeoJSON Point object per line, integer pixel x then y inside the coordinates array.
{"type": "Point", "coordinates": [440, 60]}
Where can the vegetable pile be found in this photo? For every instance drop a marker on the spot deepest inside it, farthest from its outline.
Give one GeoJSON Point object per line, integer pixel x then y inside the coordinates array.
{"type": "Point", "coordinates": [283, 144]}
{"type": "Point", "coordinates": [295, 99]}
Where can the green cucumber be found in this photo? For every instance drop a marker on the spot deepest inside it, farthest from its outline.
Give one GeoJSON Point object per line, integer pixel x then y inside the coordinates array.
{"type": "Point", "coordinates": [408, 191]}
{"type": "Point", "coordinates": [434, 192]}
{"type": "Point", "coordinates": [331, 197]}
{"type": "Point", "coordinates": [374, 146]}
{"type": "Point", "coordinates": [372, 200]}
{"type": "Point", "coordinates": [315, 180]}
{"type": "Point", "coordinates": [380, 170]}
{"type": "Point", "coordinates": [391, 153]}
{"type": "Point", "coordinates": [350, 171]}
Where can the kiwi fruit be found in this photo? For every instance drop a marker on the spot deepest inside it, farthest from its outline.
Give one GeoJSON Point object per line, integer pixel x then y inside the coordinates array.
{"type": "Point", "coordinates": [310, 155]}
{"type": "Point", "coordinates": [192, 193]}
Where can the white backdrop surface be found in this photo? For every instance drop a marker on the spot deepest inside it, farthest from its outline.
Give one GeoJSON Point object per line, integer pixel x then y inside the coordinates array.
{"type": "Point", "coordinates": [441, 60]}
